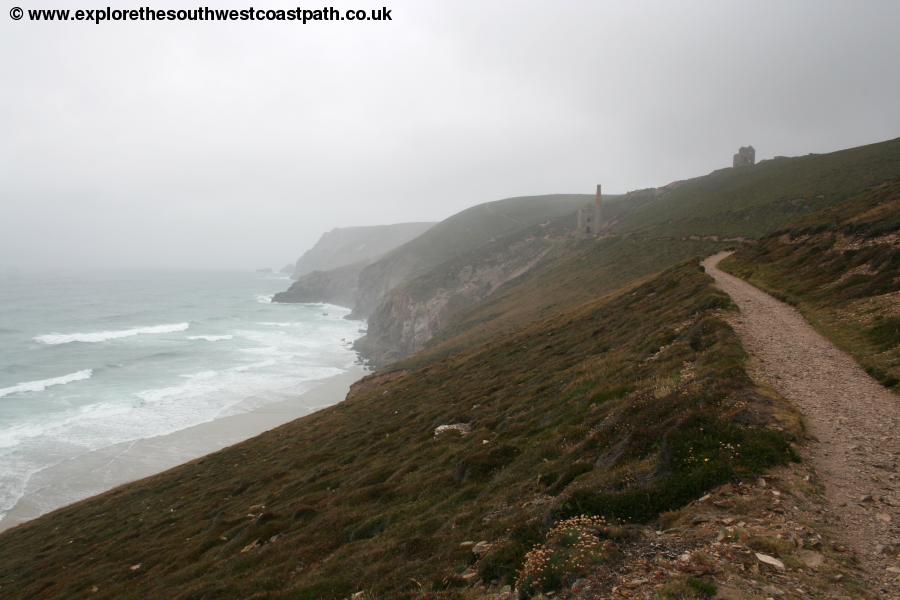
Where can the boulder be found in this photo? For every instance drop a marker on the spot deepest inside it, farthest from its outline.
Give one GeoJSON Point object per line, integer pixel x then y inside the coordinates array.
{"type": "Point", "coordinates": [454, 428]}
{"type": "Point", "coordinates": [770, 561]}
{"type": "Point", "coordinates": [482, 548]}
{"type": "Point", "coordinates": [811, 558]}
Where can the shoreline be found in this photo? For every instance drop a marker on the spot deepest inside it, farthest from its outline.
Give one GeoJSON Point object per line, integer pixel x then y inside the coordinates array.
{"type": "Point", "coordinates": [95, 472]}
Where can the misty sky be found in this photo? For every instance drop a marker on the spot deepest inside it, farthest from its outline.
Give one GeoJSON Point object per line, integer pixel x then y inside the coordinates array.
{"type": "Point", "coordinates": [237, 145]}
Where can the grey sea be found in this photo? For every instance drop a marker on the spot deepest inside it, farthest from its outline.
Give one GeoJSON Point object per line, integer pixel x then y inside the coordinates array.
{"type": "Point", "coordinates": [93, 360]}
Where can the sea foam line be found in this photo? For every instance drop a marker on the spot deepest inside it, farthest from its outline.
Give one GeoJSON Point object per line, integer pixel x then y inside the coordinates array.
{"type": "Point", "coordinates": [211, 338]}
{"type": "Point", "coordinates": [102, 336]}
{"type": "Point", "coordinates": [43, 384]}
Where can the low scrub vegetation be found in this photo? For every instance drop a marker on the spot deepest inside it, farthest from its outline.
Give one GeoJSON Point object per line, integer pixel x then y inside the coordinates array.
{"type": "Point", "coordinates": [573, 548]}
{"type": "Point", "coordinates": [841, 269]}
{"type": "Point", "coordinates": [609, 413]}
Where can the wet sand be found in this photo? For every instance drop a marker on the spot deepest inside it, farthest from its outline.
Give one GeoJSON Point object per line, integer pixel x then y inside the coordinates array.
{"type": "Point", "coordinates": [92, 473]}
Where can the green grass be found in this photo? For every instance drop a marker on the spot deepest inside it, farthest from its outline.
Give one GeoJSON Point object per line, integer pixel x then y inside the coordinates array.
{"type": "Point", "coordinates": [591, 403]}
{"type": "Point", "coordinates": [841, 269]}
{"type": "Point", "coordinates": [755, 201]}
{"type": "Point", "coordinates": [649, 230]}
{"type": "Point", "coordinates": [687, 588]}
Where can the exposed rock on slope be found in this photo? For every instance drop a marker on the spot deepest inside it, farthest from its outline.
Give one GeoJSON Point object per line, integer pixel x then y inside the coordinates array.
{"type": "Point", "coordinates": [329, 271]}
{"type": "Point", "coordinates": [455, 236]}
{"type": "Point", "coordinates": [337, 286]}
{"type": "Point", "coordinates": [413, 313]}
{"type": "Point", "coordinates": [364, 285]}
{"type": "Point", "coordinates": [350, 245]}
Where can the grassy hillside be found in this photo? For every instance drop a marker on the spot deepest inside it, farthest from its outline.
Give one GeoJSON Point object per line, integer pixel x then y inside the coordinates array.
{"type": "Point", "coordinates": [457, 235]}
{"type": "Point", "coordinates": [577, 272]}
{"type": "Point", "coordinates": [553, 231]}
{"type": "Point", "coordinates": [416, 310]}
{"type": "Point", "coordinates": [841, 269]}
{"type": "Point", "coordinates": [534, 271]}
{"type": "Point", "coordinates": [625, 407]}
{"type": "Point", "coordinates": [754, 201]}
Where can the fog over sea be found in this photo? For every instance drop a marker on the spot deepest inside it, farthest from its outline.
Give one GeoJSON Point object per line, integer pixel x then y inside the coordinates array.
{"type": "Point", "coordinates": [90, 360]}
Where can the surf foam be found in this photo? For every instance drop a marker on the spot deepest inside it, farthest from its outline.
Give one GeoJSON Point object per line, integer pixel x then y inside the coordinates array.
{"type": "Point", "coordinates": [42, 384]}
{"type": "Point", "coordinates": [102, 336]}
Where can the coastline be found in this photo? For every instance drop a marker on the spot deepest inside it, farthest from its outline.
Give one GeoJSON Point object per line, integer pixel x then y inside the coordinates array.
{"type": "Point", "coordinates": [96, 472]}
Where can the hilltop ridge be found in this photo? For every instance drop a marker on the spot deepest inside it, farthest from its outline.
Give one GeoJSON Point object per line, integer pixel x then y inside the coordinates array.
{"type": "Point", "coordinates": [644, 231]}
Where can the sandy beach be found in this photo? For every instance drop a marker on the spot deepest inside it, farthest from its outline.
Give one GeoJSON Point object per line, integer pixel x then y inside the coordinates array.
{"type": "Point", "coordinates": [95, 472]}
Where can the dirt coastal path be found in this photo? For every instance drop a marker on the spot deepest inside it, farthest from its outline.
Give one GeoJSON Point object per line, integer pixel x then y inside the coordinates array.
{"type": "Point", "coordinates": [853, 422]}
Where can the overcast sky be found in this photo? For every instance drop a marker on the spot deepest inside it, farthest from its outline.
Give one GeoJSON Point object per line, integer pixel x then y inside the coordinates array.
{"type": "Point", "coordinates": [237, 145]}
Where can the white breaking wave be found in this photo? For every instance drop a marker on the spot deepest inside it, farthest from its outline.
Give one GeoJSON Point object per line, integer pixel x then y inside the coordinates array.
{"type": "Point", "coordinates": [264, 299]}
{"type": "Point", "coordinates": [43, 384]}
{"type": "Point", "coordinates": [146, 394]}
{"type": "Point", "coordinates": [102, 336]}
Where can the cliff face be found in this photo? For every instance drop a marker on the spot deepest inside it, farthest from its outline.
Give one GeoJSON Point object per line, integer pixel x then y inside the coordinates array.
{"type": "Point", "coordinates": [412, 313]}
{"type": "Point", "coordinates": [329, 271]}
{"type": "Point", "coordinates": [337, 286]}
{"type": "Point", "coordinates": [366, 284]}
{"type": "Point", "coordinates": [346, 246]}
{"type": "Point", "coordinates": [409, 313]}
{"type": "Point", "coordinates": [454, 237]}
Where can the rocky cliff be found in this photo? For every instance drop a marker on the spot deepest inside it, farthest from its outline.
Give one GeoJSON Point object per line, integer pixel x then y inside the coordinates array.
{"type": "Point", "coordinates": [337, 286]}
{"type": "Point", "coordinates": [412, 313]}
{"type": "Point", "coordinates": [455, 236]}
{"type": "Point", "coordinates": [350, 245]}
{"type": "Point", "coordinates": [366, 284]}
{"type": "Point", "coordinates": [329, 271]}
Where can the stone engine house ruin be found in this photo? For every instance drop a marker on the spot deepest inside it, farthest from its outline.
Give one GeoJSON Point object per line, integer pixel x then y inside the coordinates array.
{"type": "Point", "coordinates": [589, 217]}
{"type": "Point", "coordinates": [745, 157]}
